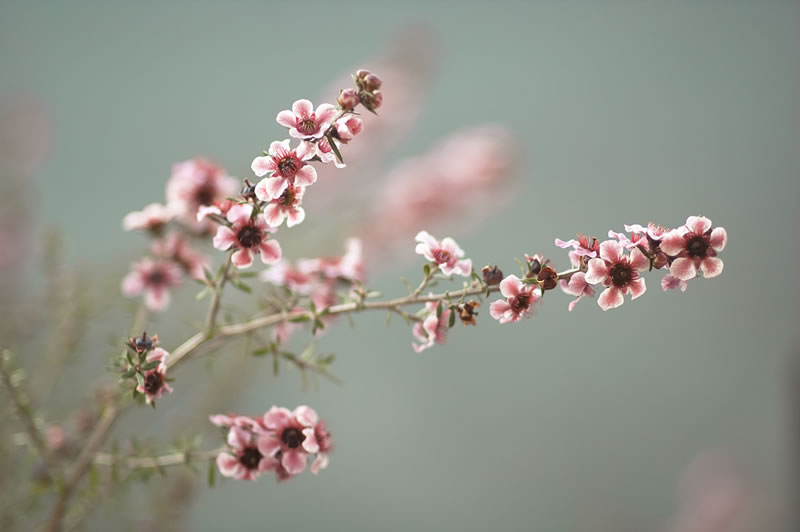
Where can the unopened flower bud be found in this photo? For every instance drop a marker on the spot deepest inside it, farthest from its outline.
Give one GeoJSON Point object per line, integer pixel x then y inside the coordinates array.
{"type": "Point", "coordinates": [492, 275]}
{"type": "Point", "coordinates": [372, 82]}
{"type": "Point", "coordinates": [348, 99]}
{"type": "Point", "coordinates": [377, 99]}
{"type": "Point", "coordinates": [534, 265]}
{"type": "Point", "coordinates": [371, 100]}
{"type": "Point", "coordinates": [661, 260]}
{"type": "Point", "coordinates": [361, 74]}
{"type": "Point", "coordinates": [548, 277]}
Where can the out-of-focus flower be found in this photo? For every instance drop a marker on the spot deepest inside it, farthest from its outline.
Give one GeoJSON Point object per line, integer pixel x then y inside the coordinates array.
{"type": "Point", "coordinates": [670, 282]}
{"type": "Point", "coordinates": [519, 303]}
{"type": "Point", "coordinates": [175, 247]}
{"type": "Point", "coordinates": [286, 206]}
{"type": "Point", "coordinates": [433, 329]}
{"type": "Point", "coordinates": [220, 208]}
{"type": "Point", "coordinates": [325, 444]}
{"type": "Point", "coordinates": [245, 460]}
{"type": "Point", "coordinates": [306, 123]}
{"type": "Point", "coordinates": [348, 267]}
{"type": "Point", "coordinates": [445, 253]}
{"type": "Point", "coordinates": [290, 436]}
{"type": "Point", "coordinates": [248, 235]}
{"type": "Point", "coordinates": [152, 218]}
{"type": "Point", "coordinates": [285, 166]}
{"type": "Point", "coordinates": [195, 183]}
{"type": "Point", "coordinates": [695, 245]}
{"type": "Point", "coordinates": [617, 271]}
{"type": "Point", "coordinates": [154, 279]}
{"type": "Point", "coordinates": [155, 384]}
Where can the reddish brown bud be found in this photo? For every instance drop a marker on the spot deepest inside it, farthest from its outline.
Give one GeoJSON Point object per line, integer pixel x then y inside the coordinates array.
{"type": "Point", "coordinates": [661, 260]}
{"type": "Point", "coordinates": [548, 277]}
{"type": "Point", "coordinates": [467, 312]}
{"type": "Point", "coordinates": [492, 275]}
{"type": "Point", "coordinates": [348, 99]}
{"type": "Point", "coordinates": [372, 82]}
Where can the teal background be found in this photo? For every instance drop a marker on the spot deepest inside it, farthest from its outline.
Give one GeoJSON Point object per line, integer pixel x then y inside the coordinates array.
{"type": "Point", "coordinates": [626, 112]}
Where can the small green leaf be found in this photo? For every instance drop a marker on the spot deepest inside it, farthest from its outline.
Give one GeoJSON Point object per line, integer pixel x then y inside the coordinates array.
{"type": "Point", "coordinates": [130, 373]}
{"type": "Point", "coordinates": [153, 364]}
{"type": "Point", "coordinates": [241, 286]}
{"type": "Point", "coordinates": [300, 318]}
{"type": "Point", "coordinates": [335, 149]}
{"type": "Point", "coordinates": [275, 366]}
{"type": "Point", "coordinates": [212, 473]}
{"type": "Point", "coordinates": [261, 351]}
{"type": "Point", "coordinates": [452, 319]}
{"type": "Point", "coordinates": [426, 269]}
{"type": "Point", "coordinates": [439, 309]}
{"type": "Point", "coordinates": [202, 293]}
{"type": "Point", "coordinates": [140, 379]}
{"type": "Point", "coordinates": [247, 275]}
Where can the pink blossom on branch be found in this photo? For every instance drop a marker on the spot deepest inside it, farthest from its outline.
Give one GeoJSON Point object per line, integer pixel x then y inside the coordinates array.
{"type": "Point", "coordinates": [175, 247]}
{"type": "Point", "coordinates": [154, 279]}
{"type": "Point", "coordinates": [284, 207]}
{"type": "Point", "coordinates": [248, 234]}
{"type": "Point", "coordinates": [245, 460]}
{"type": "Point", "coordinates": [155, 384]}
{"type": "Point", "coordinates": [576, 286]}
{"type": "Point", "coordinates": [695, 246]}
{"type": "Point", "coordinates": [195, 183]}
{"type": "Point", "coordinates": [290, 436]}
{"type": "Point", "coordinates": [519, 303]}
{"type": "Point", "coordinates": [285, 166]}
{"type": "Point", "coordinates": [433, 329]}
{"type": "Point", "coordinates": [306, 123]}
{"type": "Point", "coordinates": [445, 253]}
{"type": "Point", "coordinates": [152, 218]}
{"type": "Point", "coordinates": [619, 272]}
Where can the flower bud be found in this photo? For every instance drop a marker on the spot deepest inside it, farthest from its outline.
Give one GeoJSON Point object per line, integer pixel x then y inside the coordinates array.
{"type": "Point", "coordinates": [660, 260]}
{"type": "Point", "coordinates": [492, 275]}
{"type": "Point", "coordinates": [548, 277]}
{"type": "Point", "coordinates": [361, 74]}
{"type": "Point", "coordinates": [377, 99]}
{"type": "Point", "coordinates": [372, 82]}
{"type": "Point", "coordinates": [348, 99]}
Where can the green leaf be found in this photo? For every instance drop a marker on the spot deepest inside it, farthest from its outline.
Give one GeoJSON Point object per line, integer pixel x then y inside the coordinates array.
{"type": "Point", "coordinates": [247, 275]}
{"type": "Point", "coordinates": [212, 473]}
{"type": "Point", "coordinates": [439, 309]}
{"type": "Point", "coordinates": [153, 364]}
{"type": "Point", "coordinates": [335, 149]}
{"type": "Point", "coordinates": [130, 373]}
{"type": "Point", "coordinates": [140, 379]}
{"type": "Point", "coordinates": [208, 274]}
{"type": "Point", "coordinates": [308, 352]}
{"type": "Point", "coordinates": [130, 358]}
{"type": "Point", "coordinates": [300, 318]}
{"type": "Point", "coordinates": [241, 286]}
{"type": "Point", "coordinates": [261, 351]}
{"type": "Point", "coordinates": [202, 293]}
{"type": "Point", "coordinates": [426, 269]}
{"type": "Point", "coordinates": [275, 366]}
{"type": "Point", "coordinates": [452, 318]}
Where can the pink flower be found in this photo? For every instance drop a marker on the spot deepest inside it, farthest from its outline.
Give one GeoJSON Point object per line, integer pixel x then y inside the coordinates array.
{"type": "Point", "coordinates": [576, 286]}
{"type": "Point", "coordinates": [248, 234]}
{"type": "Point", "coordinates": [695, 246]}
{"type": "Point", "coordinates": [305, 123]}
{"type": "Point", "coordinates": [325, 444]}
{"type": "Point", "coordinates": [348, 267]}
{"type": "Point", "coordinates": [283, 274]}
{"type": "Point", "coordinates": [445, 253]}
{"type": "Point", "coordinates": [152, 218]}
{"type": "Point", "coordinates": [326, 154]}
{"type": "Point", "coordinates": [154, 278]}
{"type": "Point", "coordinates": [155, 384]}
{"type": "Point", "coordinates": [220, 208]}
{"type": "Point", "coordinates": [581, 246]}
{"type": "Point", "coordinates": [176, 248]}
{"type": "Point", "coordinates": [519, 303]}
{"type": "Point", "coordinates": [433, 329]}
{"type": "Point", "coordinates": [618, 272]}
{"type": "Point", "coordinates": [233, 420]}
{"type": "Point", "coordinates": [670, 282]}
{"type": "Point", "coordinates": [287, 167]}
{"type": "Point", "coordinates": [245, 460]}
{"type": "Point", "coordinates": [348, 127]}
{"type": "Point", "coordinates": [286, 206]}
{"type": "Point", "coordinates": [195, 183]}
{"type": "Point", "coordinates": [290, 436]}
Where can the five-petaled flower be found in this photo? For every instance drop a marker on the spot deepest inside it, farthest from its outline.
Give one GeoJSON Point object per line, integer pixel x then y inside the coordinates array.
{"type": "Point", "coordinates": [248, 234]}
{"type": "Point", "coordinates": [155, 382]}
{"type": "Point", "coordinates": [445, 253]}
{"type": "Point", "coordinates": [246, 459]}
{"type": "Point", "coordinates": [195, 183]}
{"type": "Point", "coordinates": [617, 271]}
{"type": "Point", "coordinates": [154, 278]}
{"type": "Point", "coordinates": [286, 167]}
{"type": "Point", "coordinates": [152, 218]}
{"type": "Point", "coordinates": [306, 123]}
{"type": "Point", "coordinates": [695, 245]}
{"type": "Point", "coordinates": [290, 436]}
{"type": "Point", "coordinates": [286, 206]}
{"type": "Point", "coordinates": [519, 302]}
{"type": "Point", "coordinates": [433, 329]}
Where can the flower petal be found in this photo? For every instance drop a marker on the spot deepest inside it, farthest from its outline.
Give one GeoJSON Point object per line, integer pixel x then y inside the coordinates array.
{"type": "Point", "coordinates": [610, 298]}
{"type": "Point", "coordinates": [307, 175]}
{"type": "Point", "coordinates": [683, 268]}
{"type": "Point", "coordinates": [270, 251]}
{"type": "Point", "coordinates": [286, 119]}
{"type": "Point", "coordinates": [598, 271]}
{"type": "Point", "coordinates": [294, 461]}
{"type": "Point", "coordinates": [242, 258]}
{"type": "Point", "coordinates": [719, 237]}
{"type": "Point", "coordinates": [302, 108]}
{"type": "Point", "coordinates": [711, 267]}
{"type": "Point", "coordinates": [637, 287]}
{"type": "Point", "coordinates": [262, 165]}
{"type": "Point", "coordinates": [511, 286]}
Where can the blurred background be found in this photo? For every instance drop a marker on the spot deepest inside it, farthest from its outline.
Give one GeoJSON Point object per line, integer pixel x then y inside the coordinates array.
{"type": "Point", "coordinates": [609, 113]}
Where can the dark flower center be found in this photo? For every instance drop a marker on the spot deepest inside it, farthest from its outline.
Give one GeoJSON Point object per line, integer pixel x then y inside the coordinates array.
{"type": "Point", "coordinates": [250, 458]}
{"type": "Point", "coordinates": [697, 247]}
{"type": "Point", "coordinates": [621, 274]}
{"type": "Point", "coordinates": [442, 256]}
{"type": "Point", "coordinates": [288, 166]}
{"type": "Point", "coordinates": [249, 236]}
{"type": "Point", "coordinates": [292, 437]}
{"type": "Point", "coordinates": [156, 277]}
{"type": "Point", "coordinates": [153, 383]}
{"type": "Point", "coordinates": [307, 126]}
{"type": "Point", "coordinates": [204, 195]}
{"type": "Point", "coordinates": [520, 302]}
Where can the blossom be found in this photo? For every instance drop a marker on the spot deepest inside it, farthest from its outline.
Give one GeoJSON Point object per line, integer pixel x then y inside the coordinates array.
{"type": "Point", "coordinates": [576, 286]}
{"type": "Point", "coordinates": [284, 274]}
{"type": "Point", "coordinates": [670, 282]}
{"type": "Point", "coordinates": [348, 127]}
{"type": "Point", "coordinates": [581, 246]}
{"type": "Point", "coordinates": [176, 248]}
{"type": "Point", "coordinates": [152, 218]}
{"type": "Point", "coordinates": [245, 460]}
{"type": "Point", "coordinates": [285, 166]}
{"type": "Point", "coordinates": [248, 234]}
{"type": "Point", "coordinates": [220, 208]}
{"type": "Point", "coordinates": [233, 420]}
{"type": "Point", "coordinates": [290, 436]}
{"type": "Point", "coordinates": [433, 329]}
{"type": "Point", "coordinates": [155, 384]}
{"type": "Point", "coordinates": [519, 303]}
{"type": "Point", "coordinates": [445, 253]}
{"type": "Point", "coordinates": [195, 183]}
{"type": "Point", "coordinates": [618, 272]}
{"type": "Point", "coordinates": [286, 206]}
{"type": "Point", "coordinates": [154, 278]}
{"type": "Point", "coordinates": [695, 245]}
{"type": "Point", "coordinates": [306, 123]}
{"type": "Point", "coordinates": [325, 444]}
{"type": "Point", "coordinates": [348, 267]}
{"type": "Point", "coordinates": [326, 154]}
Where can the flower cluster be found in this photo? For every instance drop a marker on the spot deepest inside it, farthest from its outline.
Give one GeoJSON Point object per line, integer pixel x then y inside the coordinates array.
{"type": "Point", "coordinates": [145, 365]}
{"type": "Point", "coordinates": [281, 441]}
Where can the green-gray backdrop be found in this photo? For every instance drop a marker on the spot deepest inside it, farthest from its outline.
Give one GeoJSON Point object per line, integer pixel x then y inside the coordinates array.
{"type": "Point", "coordinates": [626, 112]}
